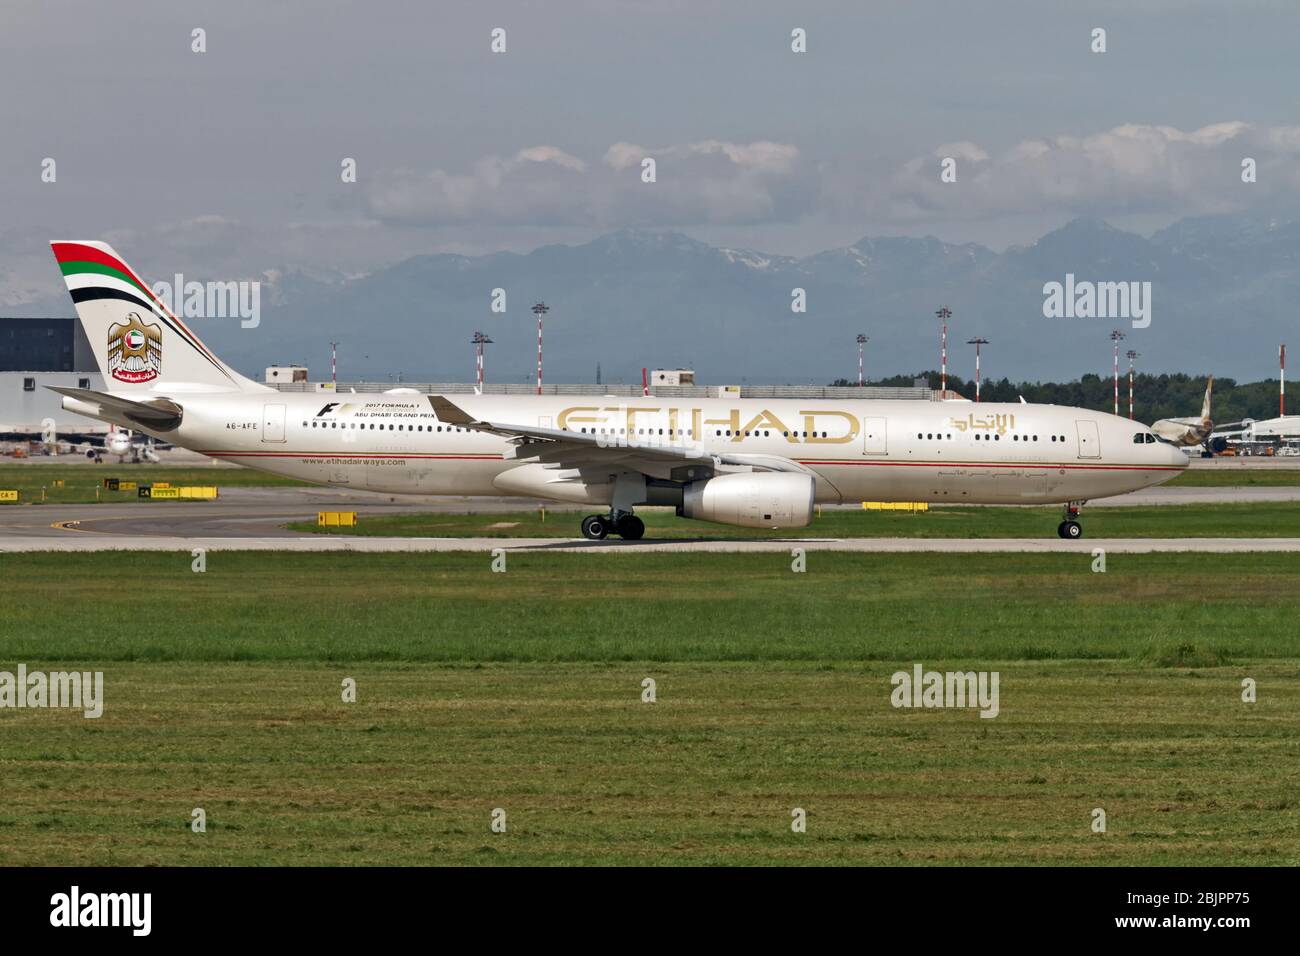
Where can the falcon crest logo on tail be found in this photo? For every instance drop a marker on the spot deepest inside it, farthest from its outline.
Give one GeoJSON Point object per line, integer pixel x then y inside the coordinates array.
{"type": "Point", "coordinates": [134, 350]}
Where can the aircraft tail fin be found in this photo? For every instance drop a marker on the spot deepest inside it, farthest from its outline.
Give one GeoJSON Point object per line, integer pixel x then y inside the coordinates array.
{"type": "Point", "coordinates": [139, 344]}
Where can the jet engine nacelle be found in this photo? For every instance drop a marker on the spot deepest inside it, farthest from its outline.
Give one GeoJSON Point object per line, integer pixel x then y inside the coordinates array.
{"type": "Point", "coordinates": [759, 500]}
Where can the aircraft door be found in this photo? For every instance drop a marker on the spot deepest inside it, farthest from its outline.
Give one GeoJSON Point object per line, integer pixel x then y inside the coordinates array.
{"type": "Point", "coordinates": [272, 423]}
{"type": "Point", "coordinates": [873, 436]}
{"type": "Point", "coordinates": [1089, 441]}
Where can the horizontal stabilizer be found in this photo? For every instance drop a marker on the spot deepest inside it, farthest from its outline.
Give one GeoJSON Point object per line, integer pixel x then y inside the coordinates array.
{"type": "Point", "coordinates": [161, 414]}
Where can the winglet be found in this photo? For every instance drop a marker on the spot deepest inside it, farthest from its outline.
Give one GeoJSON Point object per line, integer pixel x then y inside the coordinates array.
{"type": "Point", "coordinates": [449, 412]}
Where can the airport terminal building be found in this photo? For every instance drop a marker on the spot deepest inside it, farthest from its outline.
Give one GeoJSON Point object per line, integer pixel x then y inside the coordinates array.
{"type": "Point", "coordinates": [35, 352]}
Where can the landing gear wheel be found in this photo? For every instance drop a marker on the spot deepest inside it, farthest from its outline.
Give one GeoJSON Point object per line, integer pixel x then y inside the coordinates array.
{"type": "Point", "coordinates": [595, 527]}
{"type": "Point", "coordinates": [631, 528]}
{"type": "Point", "coordinates": [1070, 529]}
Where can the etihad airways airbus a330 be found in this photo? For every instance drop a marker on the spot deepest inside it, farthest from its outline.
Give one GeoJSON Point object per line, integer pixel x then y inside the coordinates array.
{"type": "Point", "coordinates": [756, 463]}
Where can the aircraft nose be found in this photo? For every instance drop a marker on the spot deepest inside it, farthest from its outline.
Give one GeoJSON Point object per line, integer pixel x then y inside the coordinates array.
{"type": "Point", "coordinates": [1177, 457]}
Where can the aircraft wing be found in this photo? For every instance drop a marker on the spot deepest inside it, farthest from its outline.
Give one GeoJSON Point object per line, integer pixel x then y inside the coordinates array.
{"type": "Point", "coordinates": [569, 449]}
{"type": "Point", "coordinates": [29, 433]}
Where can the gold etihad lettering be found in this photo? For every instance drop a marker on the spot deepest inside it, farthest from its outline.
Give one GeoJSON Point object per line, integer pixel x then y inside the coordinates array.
{"type": "Point", "coordinates": [768, 419]}
{"type": "Point", "coordinates": [972, 422]}
{"type": "Point", "coordinates": [815, 422]}
{"type": "Point", "coordinates": [810, 423]}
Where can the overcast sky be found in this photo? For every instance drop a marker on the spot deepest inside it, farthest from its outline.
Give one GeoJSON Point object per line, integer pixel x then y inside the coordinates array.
{"type": "Point", "coordinates": [226, 163]}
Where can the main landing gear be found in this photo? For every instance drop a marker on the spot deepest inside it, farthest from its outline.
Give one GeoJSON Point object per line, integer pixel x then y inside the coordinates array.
{"type": "Point", "coordinates": [624, 524]}
{"type": "Point", "coordinates": [1070, 528]}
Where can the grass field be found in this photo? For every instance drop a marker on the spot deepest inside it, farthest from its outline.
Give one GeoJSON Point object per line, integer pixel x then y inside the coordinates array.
{"type": "Point", "coordinates": [1255, 520]}
{"type": "Point", "coordinates": [522, 691]}
{"type": "Point", "coordinates": [1232, 476]}
{"type": "Point", "coordinates": [83, 483]}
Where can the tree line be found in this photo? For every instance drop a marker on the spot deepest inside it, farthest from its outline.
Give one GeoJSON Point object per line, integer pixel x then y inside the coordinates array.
{"type": "Point", "coordinates": [1155, 396]}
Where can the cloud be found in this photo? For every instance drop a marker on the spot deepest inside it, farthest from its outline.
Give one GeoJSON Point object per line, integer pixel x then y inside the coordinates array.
{"type": "Point", "coordinates": [710, 181]}
{"type": "Point", "coordinates": [207, 234]}
{"type": "Point", "coordinates": [541, 183]}
{"type": "Point", "coordinates": [1130, 168]}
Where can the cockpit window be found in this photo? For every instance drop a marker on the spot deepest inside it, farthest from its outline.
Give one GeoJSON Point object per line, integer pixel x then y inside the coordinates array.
{"type": "Point", "coordinates": [1144, 438]}
{"type": "Point", "coordinates": [1138, 439]}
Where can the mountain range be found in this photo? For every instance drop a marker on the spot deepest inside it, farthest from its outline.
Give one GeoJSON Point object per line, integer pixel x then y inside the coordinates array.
{"type": "Point", "coordinates": [1222, 288]}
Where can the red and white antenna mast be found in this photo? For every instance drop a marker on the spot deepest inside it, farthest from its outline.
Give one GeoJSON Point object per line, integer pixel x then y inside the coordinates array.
{"type": "Point", "coordinates": [1281, 381]}
{"type": "Point", "coordinates": [1115, 338]}
{"type": "Point", "coordinates": [334, 363]}
{"type": "Point", "coordinates": [479, 341]}
{"type": "Point", "coordinates": [539, 310]}
{"type": "Point", "coordinates": [862, 342]}
{"type": "Point", "coordinates": [944, 315]}
{"type": "Point", "coordinates": [977, 342]}
{"type": "Point", "coordinates": [1131, 356]}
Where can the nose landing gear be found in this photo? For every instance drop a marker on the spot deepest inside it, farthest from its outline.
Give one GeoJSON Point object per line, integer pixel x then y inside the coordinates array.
{"type": "Point", "coordinates": [1070, 528]}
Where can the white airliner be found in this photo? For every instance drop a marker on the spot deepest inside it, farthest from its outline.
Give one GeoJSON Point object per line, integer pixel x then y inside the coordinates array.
{"type": "Point", "coordinates": [755, 463]}
{"type": "Point", "coordinates": [95, 442]}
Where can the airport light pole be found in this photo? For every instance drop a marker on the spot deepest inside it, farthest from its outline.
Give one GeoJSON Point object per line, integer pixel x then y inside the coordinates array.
{"type": "Point", "coordinates": [1131, 356]}
{"type": "Point", "coordinates": [479, 341]}
{"type": "Point", "coordinates": [862, 343]}
{"type": "Point", "coordinates": [944, 315]}
{"type": "Point", "coordinates": [1115, 338]}
{"type": "Point", "coordinates": [539, 310]}
{"type": "Point", "coordinates": [977, 342]}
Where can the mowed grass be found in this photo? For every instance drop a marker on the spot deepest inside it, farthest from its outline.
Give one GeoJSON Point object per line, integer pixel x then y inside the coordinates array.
{"type": "Point", "coordinates": [586, 773]}
{"type": "Point", "coordinates": [83, 484]}
{"type": "Point", "coordinates": [1254, 520]}
{"type": "Point", "coordinates": [522, 691]}
{"type": "Point", "coordinates": [547, 607]}
{"type": "Point", "coordinates": [1235, 476]}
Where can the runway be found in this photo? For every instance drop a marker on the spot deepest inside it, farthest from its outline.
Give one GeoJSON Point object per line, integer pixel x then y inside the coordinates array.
{"type": "Point", "coordinates": [254, 519]}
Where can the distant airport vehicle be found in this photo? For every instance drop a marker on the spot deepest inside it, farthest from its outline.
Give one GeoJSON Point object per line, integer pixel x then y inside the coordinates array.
{"type": "Point", "coordinates": [747, 462]}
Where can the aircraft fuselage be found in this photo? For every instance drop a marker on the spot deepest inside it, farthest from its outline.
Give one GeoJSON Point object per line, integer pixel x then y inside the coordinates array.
{"type": "Point", "coordinates": [858, 450]}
